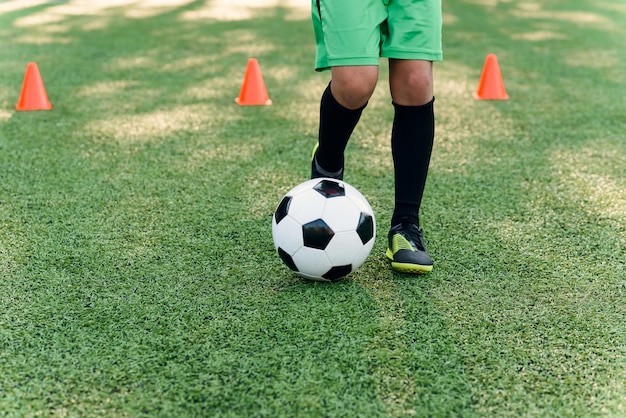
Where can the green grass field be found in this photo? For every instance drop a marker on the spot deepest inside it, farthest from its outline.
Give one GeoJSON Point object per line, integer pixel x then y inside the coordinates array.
{"type": "Point", "coordinates": [137, 271]}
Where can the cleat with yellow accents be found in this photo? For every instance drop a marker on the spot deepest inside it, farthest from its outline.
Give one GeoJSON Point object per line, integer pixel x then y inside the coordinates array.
{"type": "Point", "coordinates": [407, 250]}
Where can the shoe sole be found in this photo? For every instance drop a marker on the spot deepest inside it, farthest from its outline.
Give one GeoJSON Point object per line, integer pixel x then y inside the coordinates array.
{"type": "Point", "coordinates": [407, 267]}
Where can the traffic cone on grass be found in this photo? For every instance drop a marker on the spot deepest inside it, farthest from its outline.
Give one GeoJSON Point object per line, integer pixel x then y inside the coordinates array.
{"type": "Point", "coordinates": [33, 94]}
{"type": "Point", "coordinates": [253, 91]}
{"type": "Point", "coordinates": [491, 84]}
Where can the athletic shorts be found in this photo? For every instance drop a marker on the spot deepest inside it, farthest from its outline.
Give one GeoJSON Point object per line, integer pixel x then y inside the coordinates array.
{"type": "Point", "coordinates": [359, 32]}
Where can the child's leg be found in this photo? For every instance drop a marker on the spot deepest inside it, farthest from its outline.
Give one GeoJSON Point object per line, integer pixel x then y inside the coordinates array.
{"type": "Point", "coordinates": [341, 106]}
{"type": "Point", "coordinates": [412, 134]}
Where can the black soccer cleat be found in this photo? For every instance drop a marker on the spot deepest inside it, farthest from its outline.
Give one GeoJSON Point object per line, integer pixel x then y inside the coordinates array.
{"type": "Point", "coordinates": [407, 250]}
{"type": "Point", "coordinates": [316, 173]}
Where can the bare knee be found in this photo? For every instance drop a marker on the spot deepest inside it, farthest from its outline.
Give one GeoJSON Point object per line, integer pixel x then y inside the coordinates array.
{"type": "Point", "coordinates": [411, 82]}
{"type": "Point", "coordinates": [352, 87]}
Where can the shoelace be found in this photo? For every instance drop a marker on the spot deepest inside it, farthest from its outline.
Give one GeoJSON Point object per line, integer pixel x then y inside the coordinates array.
{"type": "Point", "coordinates": [414, 234]}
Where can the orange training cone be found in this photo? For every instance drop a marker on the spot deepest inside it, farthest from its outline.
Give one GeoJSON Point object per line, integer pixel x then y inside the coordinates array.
{"type": "Point", "coordinates": [33, 95]}
{"type": "Point", "coordinates": [253, 91]}
{"type": "Point", "coordinates": [491, 84]}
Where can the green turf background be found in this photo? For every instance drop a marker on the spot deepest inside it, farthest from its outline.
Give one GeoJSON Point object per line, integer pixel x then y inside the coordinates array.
{"type": "Point", "coordinates": [137, 272]}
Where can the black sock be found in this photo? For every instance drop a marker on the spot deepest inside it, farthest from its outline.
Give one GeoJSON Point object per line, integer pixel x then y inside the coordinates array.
{"type": "Point", "coordinates": [412, 139]}
{"type": "Point", "coordinates": [336, 126]}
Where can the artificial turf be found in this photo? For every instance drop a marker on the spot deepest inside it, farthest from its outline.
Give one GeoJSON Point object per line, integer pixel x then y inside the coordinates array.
{"type": "Point", "coordinates": [137, 271]}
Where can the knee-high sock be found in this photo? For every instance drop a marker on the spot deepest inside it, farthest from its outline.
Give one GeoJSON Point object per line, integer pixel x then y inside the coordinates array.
{"type": "Point", "coordinates": [336, 125]}
{"type": "Point", "coordinates": [412, 138]}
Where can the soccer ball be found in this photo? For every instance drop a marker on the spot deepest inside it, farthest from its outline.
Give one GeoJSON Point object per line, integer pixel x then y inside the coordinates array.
{"type": "Point", "coordinates": [323, 229]}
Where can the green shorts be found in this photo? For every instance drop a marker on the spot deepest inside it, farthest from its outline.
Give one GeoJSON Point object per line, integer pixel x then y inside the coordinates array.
{"type": "Point", "coordinates": [359, 32]}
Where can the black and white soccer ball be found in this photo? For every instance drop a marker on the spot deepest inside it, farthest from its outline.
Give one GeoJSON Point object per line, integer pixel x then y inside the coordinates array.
{"type": "Point", "coordinates": [323, 229]}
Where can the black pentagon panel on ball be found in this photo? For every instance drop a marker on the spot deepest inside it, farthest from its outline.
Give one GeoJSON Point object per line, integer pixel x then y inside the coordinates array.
{"type": "Point", "coordinates": [282, 209]}
{"type": "Point", "coordinates": [287, 259]}
{"type": "Point", "coordinates": [330, 188]}
{"type": "Point", "coordinates": [337, 273]}
{"type": "Point", "coordinates": [365, 228]}
{"type": "Point", "coordinates": [317, 234]}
